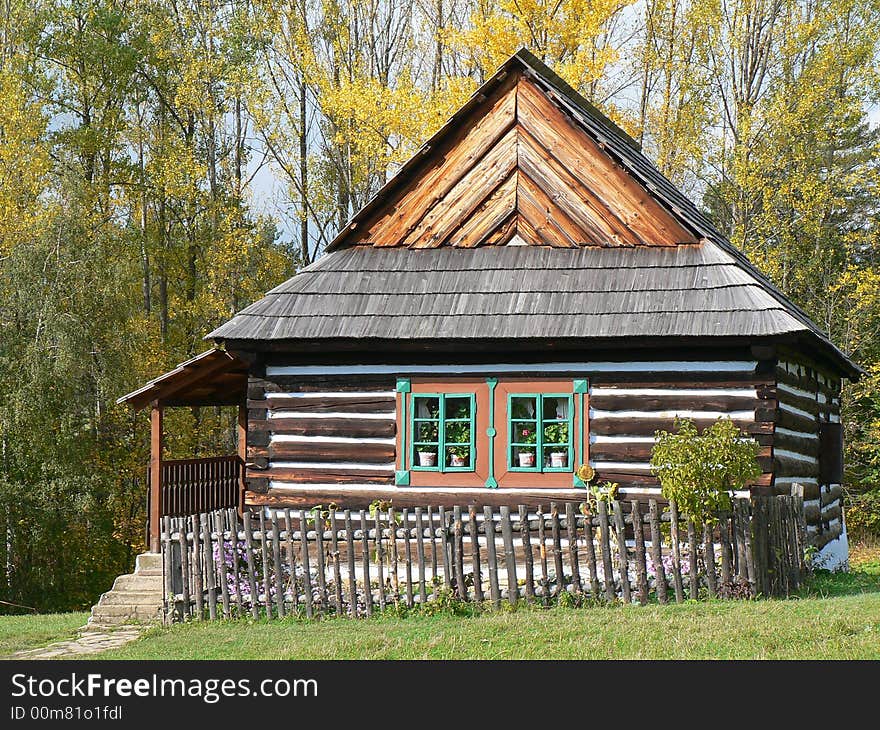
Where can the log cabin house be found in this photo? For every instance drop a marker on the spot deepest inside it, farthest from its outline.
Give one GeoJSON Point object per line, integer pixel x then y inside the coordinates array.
{"type": "Point", "coordinates": [526, 295]}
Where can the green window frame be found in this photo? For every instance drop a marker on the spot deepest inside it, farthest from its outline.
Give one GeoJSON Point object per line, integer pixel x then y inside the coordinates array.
{"type": "Point", "coordinates": [548, 432]}
{"type": "Point", "coordinates": [448, 438]}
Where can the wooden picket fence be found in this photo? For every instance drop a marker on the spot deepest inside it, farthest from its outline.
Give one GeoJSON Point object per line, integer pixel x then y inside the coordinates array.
{"type": "Point", "coordinates": [220, 565]}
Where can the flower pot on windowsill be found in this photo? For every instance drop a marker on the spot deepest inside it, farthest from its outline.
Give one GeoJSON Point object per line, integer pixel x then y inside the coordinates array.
{"type": "Point", "coordinates": [427, 458]}
{"type": "Point", "coordinates": [558, 459]}
{"type": "Point", "coordinates": [526, 459]}
{"type": "Point", "coordinates": [456, 460]}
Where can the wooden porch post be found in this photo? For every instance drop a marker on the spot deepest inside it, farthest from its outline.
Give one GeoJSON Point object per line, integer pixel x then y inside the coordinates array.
{"type": "Point", "coordinates": [242, 449]}
{"type": "Point", "coordinates": [157, 439]}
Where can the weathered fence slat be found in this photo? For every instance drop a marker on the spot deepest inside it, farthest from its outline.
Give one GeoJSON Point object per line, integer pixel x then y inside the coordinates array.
{"type": "Point", "coordinates": [605, 548]}
{"type": "Point", "coordinates": [592, 569]}
{"type": "Point", "coordinates": [197, 567]}
{"type": "Point", "coordinates": [433, 530]}
{"type": "Point", "coordinates": [492, 557]}
{"type": "Point", "coordinates": [693, 569]}
{"type": "Point", "coordinates": [380, 559]}
{"type": "Point", "coordinates": [622, 561]}
{"type": "Point", "coordinates": [641, 561]}
{"type": "Point", "coordinates": [334, 558]}
{"type": "Point", "coordinates": [571, 529]}
{"type": "Point", "coordinates": [660, 586]}
{"type": "Point", "coordinates": [509, 556]}
{"type": "Point", "coordinates": [320, 567]}
{"type": "Point", "coordinates": [420, 553]}
{"type": "Point", "coordinates": [724, 531]}
{"type": "Point", "coordinates": [458, 552]}
{"type": "Point", "coordinates": [675, 539]}
{"type": "Point", "coordinates": [277, 567]}
{"type": "Point", "coordinates": [555, 535]}
{"type": "Point", "coordinates": [208, 562]}
{"type": "Point", "coordinates": [291, 560]}
{"type": "Point", "coordinates": [392, 546]}
{"type": "Point", "coordinates": [444, 546]}
{"type": "Point", "coordinates": [404, 519]}
{"type": "Point", "coordinates": [525, 537]}
{"type": "Point", "coordinates": [365, 549]}
{"type": "Point", "coordinates": [709, 559]}
{"type": "Point", "coordinates": [264, 552]}
{"type": "Point", "coordinates": [249, 557]}
{"type": "Point", "coordinates": [473, 532]}
{"type": "Point", "coordinates": [308, 597]}
{"type": "Point", "coordinates": [221, 518]}
{"type": "Point", "coordinates": [542, 553]}
{"type": "Point", "coordinates": [349, 554]}
{"type": "Point", "coordinates": [232, 521]}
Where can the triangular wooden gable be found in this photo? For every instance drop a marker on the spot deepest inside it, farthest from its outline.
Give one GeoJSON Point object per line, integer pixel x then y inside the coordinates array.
{"type": "Point", "coordinates": [516, 169]}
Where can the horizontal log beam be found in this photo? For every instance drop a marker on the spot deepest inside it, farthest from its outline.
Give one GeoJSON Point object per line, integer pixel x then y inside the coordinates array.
{"type": "Point", "coordinates": [365, 453]}
{"type": "Point", "coordinates": [348, 427]}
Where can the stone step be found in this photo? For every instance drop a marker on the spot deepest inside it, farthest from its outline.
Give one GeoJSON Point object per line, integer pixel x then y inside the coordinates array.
{"type": "Point", "coordinates": [131, 597]}
{"type": "Point", "coordinates": [119, 613]}
{"type": "Point", "coordinates": [147, 561]}
{"type": "Point", "coordinates": [149, 572]}
{"type": "Point", "coordinates": [133, 582]}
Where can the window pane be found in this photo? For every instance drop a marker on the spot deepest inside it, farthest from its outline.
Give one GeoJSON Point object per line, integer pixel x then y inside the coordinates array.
{"type": "Point", "coordinates": [555, 408]}
{"type": "Point", "coordinates": [426, 456]}
{"type": "Point", "coordinates": [458, 432]}
{"type": "Point", "coordinates": [525, 457]}
{"type": "Point", "coordinates": [555, 457]}
{"type": "Point", "coordinates": [458, 457]}
{"type": "Point", "coordinates": [556, 433]}
{"type": "Point", "coordinates": [427, 431]}
{"type": "Point", "coordinates": [457, 407]}
{"type": "Point", "coordinates": [427, 407]}
{"type": "Point", "coordinates": [525, 432]}
{"type": "Point", "coordinates": [521, 407]}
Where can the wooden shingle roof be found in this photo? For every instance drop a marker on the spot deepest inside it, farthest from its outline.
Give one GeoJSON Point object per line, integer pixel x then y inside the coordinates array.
{"type": "Point", "coordinates": [567, 232]}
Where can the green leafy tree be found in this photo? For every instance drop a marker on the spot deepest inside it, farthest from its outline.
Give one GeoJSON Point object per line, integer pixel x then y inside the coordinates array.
{"type": "Point", "coordinates": [701, 470]}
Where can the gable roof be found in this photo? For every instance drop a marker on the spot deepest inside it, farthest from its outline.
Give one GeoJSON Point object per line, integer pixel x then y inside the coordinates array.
{"type": "Point", "coordinates": [651, 264]}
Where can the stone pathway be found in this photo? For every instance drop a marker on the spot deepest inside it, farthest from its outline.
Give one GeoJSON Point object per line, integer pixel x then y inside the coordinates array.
{"type": "Point", "coordinates": [89, 642]}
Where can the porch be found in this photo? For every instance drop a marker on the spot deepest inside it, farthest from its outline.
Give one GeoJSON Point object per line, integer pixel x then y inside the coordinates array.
{"type": "Point", "coordinates": [178, 487]}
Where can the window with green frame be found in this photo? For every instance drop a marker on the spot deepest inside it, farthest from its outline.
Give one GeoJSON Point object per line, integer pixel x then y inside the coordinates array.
{"type": "Point", "coordinates": [442, 429]}
{"type": "Point", "coordinates": [540, 432]}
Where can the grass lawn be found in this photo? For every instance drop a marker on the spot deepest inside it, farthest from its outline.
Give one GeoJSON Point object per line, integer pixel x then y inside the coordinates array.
{"type": "Point", "coordinates": [29, 632]}
{"type": "Point", "coordinates": [838, 617]}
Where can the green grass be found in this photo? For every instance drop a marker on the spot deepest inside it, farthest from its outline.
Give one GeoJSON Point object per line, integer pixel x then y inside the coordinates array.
{"type": "Point", "coordinates": [836, 617]}
{"type": "Point", "coordinates": [30, 631]}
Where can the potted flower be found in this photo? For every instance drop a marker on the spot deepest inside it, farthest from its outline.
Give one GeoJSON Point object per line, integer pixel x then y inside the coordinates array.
{"type": "Point", "coordinates": [458, 433]}
{"type": "Point", "coordinates": [458, 456]}
{"type": "Point", "coordinates": [427, 453]}
{"type": "Point", "coordinates": [555, 434]}
{"type": "Point", "coordinates": [526, 456]}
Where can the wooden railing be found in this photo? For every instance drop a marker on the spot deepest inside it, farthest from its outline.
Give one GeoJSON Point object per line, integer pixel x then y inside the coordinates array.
{"type": "Point", "coordinates": [191, 486]}
{"type": "Point", "coordinates": [352, 563]}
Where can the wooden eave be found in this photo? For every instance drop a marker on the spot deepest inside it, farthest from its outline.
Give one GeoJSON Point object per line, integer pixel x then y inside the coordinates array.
{"type": "Point", "coordinates": [213, 378]}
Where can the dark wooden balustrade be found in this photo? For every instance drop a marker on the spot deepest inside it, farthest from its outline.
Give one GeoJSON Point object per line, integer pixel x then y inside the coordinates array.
{"type": "Point", "coordinates": [191, 486]}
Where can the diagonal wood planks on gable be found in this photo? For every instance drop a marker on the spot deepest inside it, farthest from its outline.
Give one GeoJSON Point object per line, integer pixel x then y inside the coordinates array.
{"type": "Point", "coordinates": [519, 167]}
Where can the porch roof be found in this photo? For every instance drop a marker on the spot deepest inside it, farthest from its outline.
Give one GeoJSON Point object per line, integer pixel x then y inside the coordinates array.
{"type": "Point", "coordinates": [213, 378]}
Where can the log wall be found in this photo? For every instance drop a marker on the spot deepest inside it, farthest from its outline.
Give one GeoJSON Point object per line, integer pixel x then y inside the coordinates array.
{"type": "Point", "coordinates": [320, 434]}
{"type": "Point", "coordinates": [807, 397]}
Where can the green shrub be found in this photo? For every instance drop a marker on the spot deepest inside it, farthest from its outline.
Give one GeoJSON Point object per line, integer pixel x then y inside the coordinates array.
{"type": "Point", "coordinates": [699, 471]}
{"type": "Point", "coordinates": [863, 514]}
